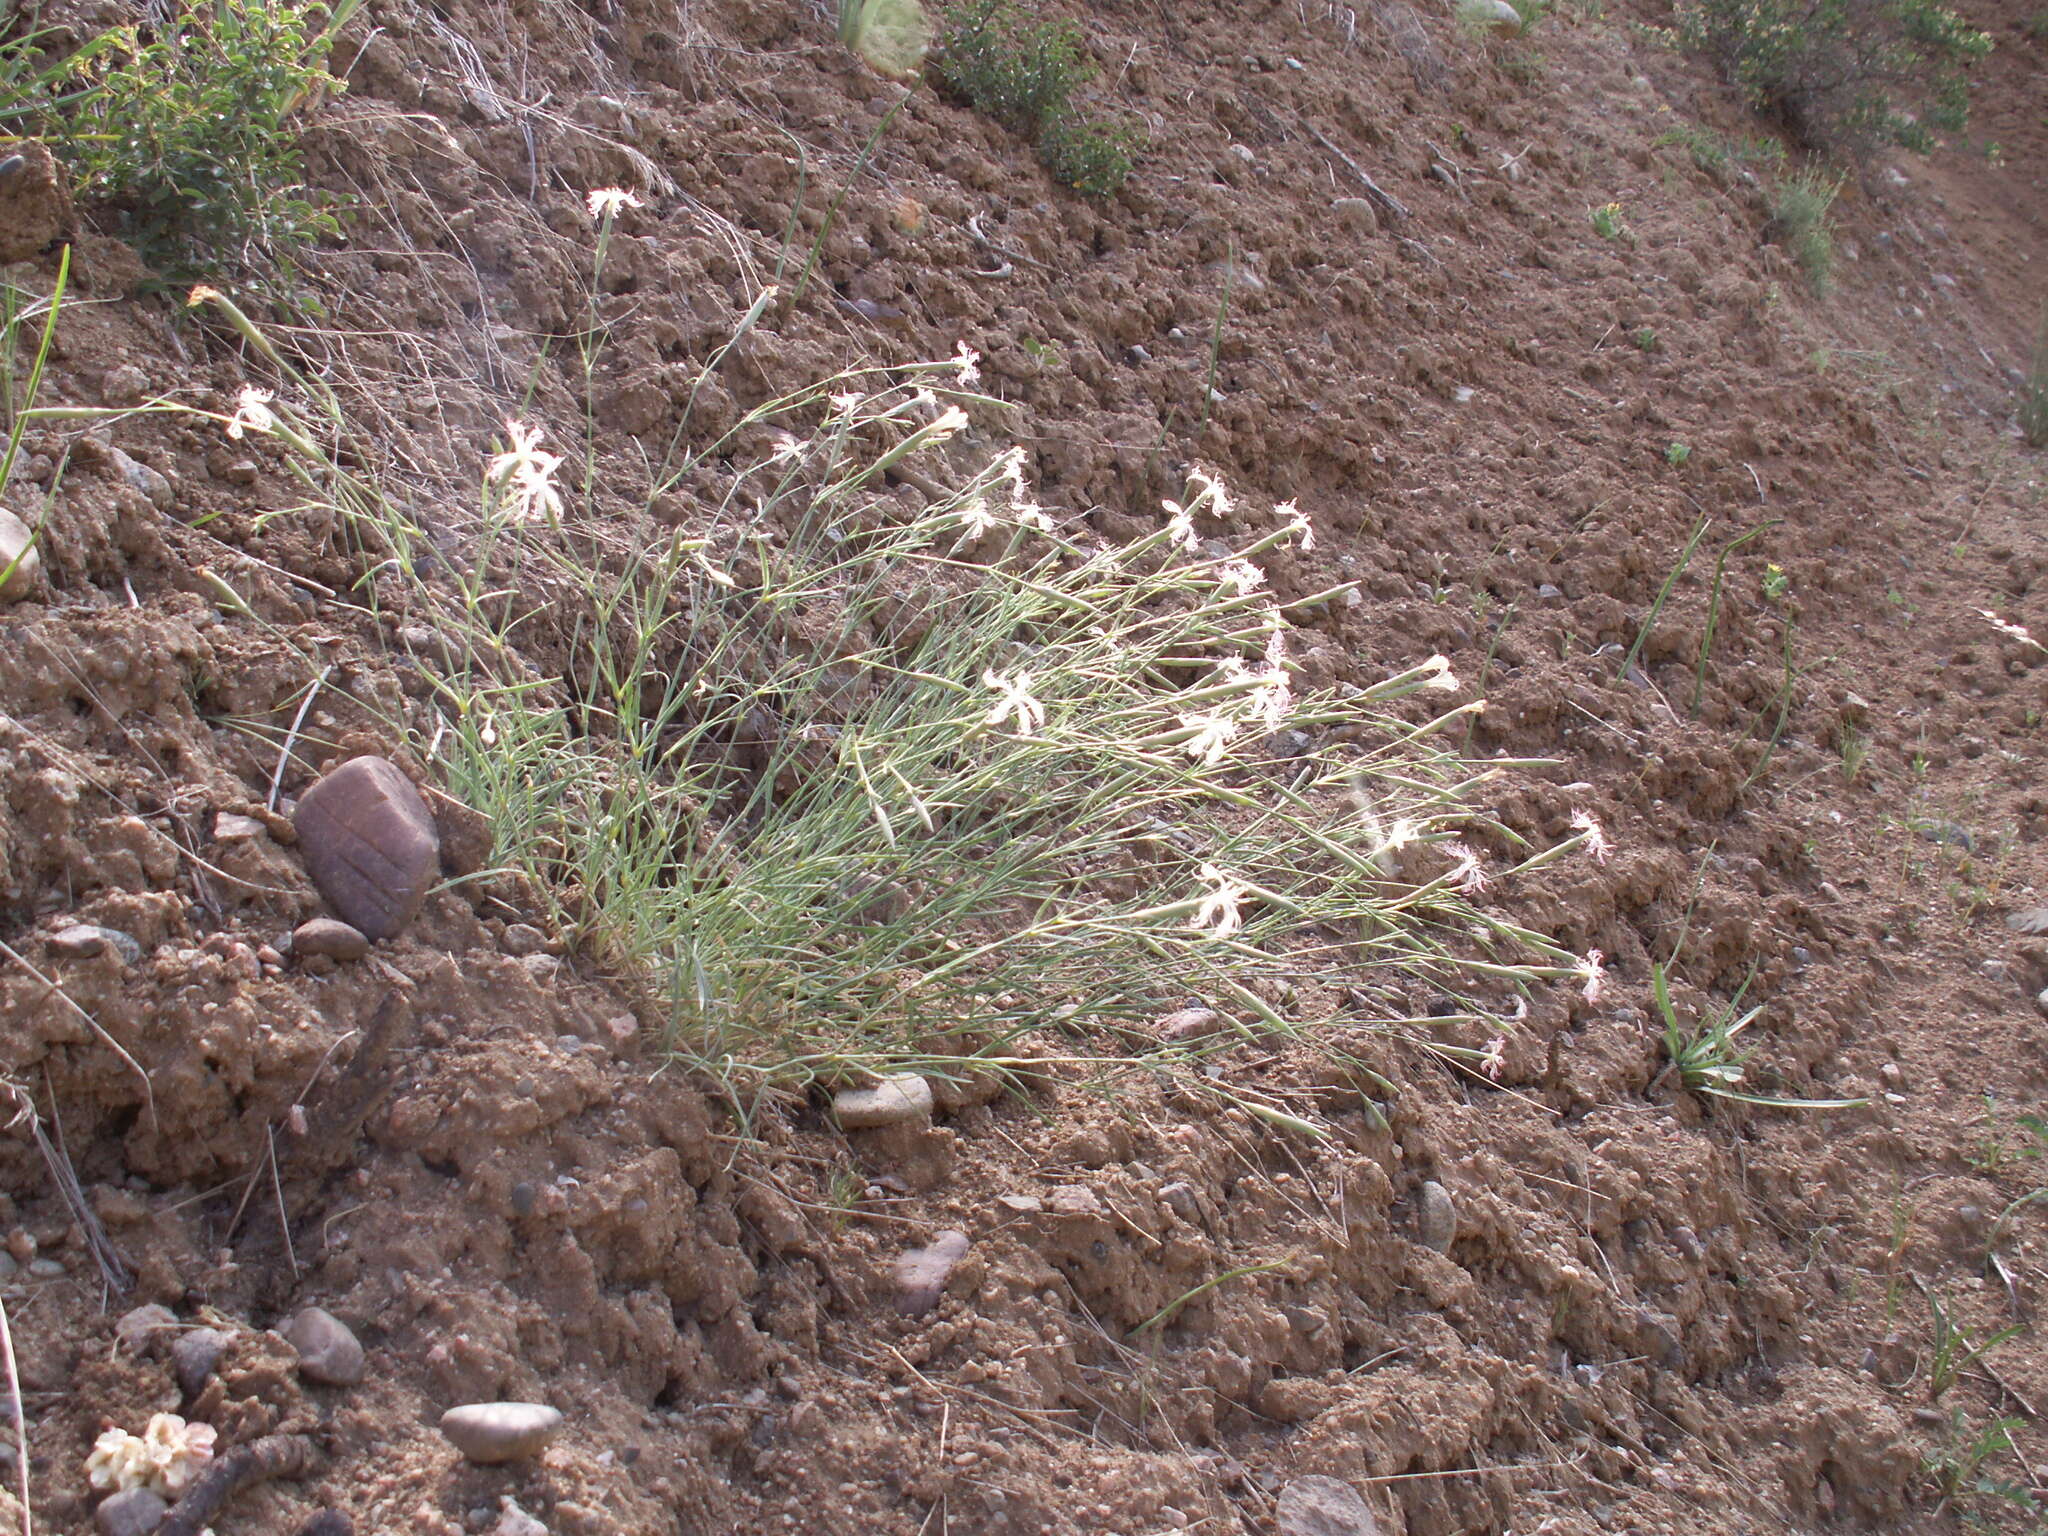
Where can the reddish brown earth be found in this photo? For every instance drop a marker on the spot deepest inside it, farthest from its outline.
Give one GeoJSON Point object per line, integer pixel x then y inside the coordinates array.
{"type": "Point", "coordinates": [1660, 1313]}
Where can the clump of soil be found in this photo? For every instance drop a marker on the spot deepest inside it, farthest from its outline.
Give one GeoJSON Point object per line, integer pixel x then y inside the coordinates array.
{"type": "Point", "coordinates": [1565, 1295]}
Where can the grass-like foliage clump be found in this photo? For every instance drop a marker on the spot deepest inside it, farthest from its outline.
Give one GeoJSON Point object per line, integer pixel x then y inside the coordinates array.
{"type": "Point", "coordinates": [1802, 220]}
{"type": "Point", "coordinates": [188, 133]}
{"type": "Point", "coordinates": [1024, 74]}
{"type": "Point", "coordinates": [858, 782]}
{"type": "Point", "coordinates": [1843, 75]}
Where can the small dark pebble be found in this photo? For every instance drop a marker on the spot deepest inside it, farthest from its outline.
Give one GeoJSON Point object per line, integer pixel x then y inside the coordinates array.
{"type": "Point", "coordinates": [194, 1356]}
{"type": "Point", "coordinates": [329, 1522]}
{"type": "Point", "coordinates": [523, 1196]}
{"type": "Point", "coordinates": [12, 166]}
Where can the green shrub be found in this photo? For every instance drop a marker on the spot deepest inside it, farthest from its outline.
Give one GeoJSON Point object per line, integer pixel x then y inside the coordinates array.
{"type": "Point", "coordinates": [188, 136]}
{"type": "Point", "coordinates": [1843, 75]}
{"type": "Point", "coordinates": [1024, 75]}
{"type": "Point", "coordinates": [1802, 222]}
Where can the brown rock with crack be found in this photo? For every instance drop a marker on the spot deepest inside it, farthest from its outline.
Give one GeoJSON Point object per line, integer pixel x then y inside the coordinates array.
{"type": "Point", "coordinates": [369, 844]}
{"type": "Point", "coordinates": [1323, 1506]}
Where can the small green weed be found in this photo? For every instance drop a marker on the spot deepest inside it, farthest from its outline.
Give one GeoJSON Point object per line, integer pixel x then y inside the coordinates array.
{"type": "Point", "coordinates": [1607, 221]}
{"type": "Point", "coordinates": [1954, 1351]}
{"type": "Point", "coordinates": [190, 136]}
{"type": "Point", "coordinates": [1855, 753]}
{"type": "Point", "coordinates": [1708, 1060]}
{"type": "Point", "coordinates": [1776, 583]}
{"type": "Point", "coordinates": [1957, 1464]}
{"type": "Point", "coordinates": [1801, 221]}
{"type": "Point", "coordinates": [2026, 1137]}
{"type": "Point", "coordinates": [1678, 455]}
{"type": "Point", "coordinates": [2034, 391]}
{"type": "Point", "coordinates": [1024, 75]}
{"type": "Point", "coordinates": [1645, 339]}
{"type": "Point", "coordinates": [1715, 155]}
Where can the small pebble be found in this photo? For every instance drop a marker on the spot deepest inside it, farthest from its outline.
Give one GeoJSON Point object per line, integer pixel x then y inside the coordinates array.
{"type": "Point", "coordinates": [514, 1521]}
{"type": "Point", "coordinates": [8, 1267]}
{"type": "Point", "coordinates": [1181, 1198]}
{"type": "Point", "coordinates": [892, 1101]}
{"type": "Point", "coordinates": [231, 828]}
{"type": "Point", "coordinates": [82, 941]}
{"type": "Point", "coordinates": [46, 1269]}
{"type": "Point", "coordinates": [1188, 1024]}
{"type": "Point", "coordinates": [490, 1433]}
{"type": "Point", "coordinates": [134, 1512]}
{"type": "Point", "coordinates": [524, 939]}
{"type": "Point", "coordinates": [330, 937]}
{"type": "Point", "coordinates": [329, 1352]}
{"type": "Point", "coordinates": [194, 1356]}
{"type": "Point", "coordinates": [134, 1327]}
{"type": "Point", "coordinates": [922, 1273]}
{"type": "Point", "coordinates": [1436, 1218]}
{"type": "Point", "coordinates": [19, 557]}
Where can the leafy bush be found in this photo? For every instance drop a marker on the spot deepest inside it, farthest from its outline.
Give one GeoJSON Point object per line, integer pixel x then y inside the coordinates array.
{"type": "Point", "coordinates": [1843, 74]}
{"type": "Point", "coordinates": [189, 135]}
{"type": "Point", "coordinates": [1024, 75]}
{"type": "Point", "coordinates": [1801, 221]}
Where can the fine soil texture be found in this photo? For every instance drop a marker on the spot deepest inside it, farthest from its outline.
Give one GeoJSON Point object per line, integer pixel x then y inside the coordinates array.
{"type": "Point", "coordinates": [1740, 567]}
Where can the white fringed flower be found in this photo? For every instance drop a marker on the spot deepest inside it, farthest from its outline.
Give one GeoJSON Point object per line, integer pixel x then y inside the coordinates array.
{"type": "Point", "coordinates": [605, 202]}
{"type": "Point", "coordinates": [522, 479]}
{"type": "Point", "coordinates": [252, 413]}
{"type": "Point", "coordinates": [1219, 914]}
{"type": "Point", "coordinates": [1015, 701]}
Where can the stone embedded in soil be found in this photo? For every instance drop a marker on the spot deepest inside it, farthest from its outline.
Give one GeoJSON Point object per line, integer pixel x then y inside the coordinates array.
{"type": "Point", "coordinates": [514, 1521]}
{"type": "Point", "coordinates": [490, 1433]}
{"type": "Point", "coordinates": [228, 827]}
{"type": "Point", "coordinates": [153, 484]}
{"type": "Point", "coordinates": [1188, 1024]}
{"type": "Point", "coordinates": [134, 1327]}
{"type": "Point", "coordinates": [524, 939]}
{"type": "Point", "coordinates": [134, 1512]}
{"type": "Point", "coordinates": [1359, 213]}
{"type": "Point", "coordinates": [893, 1101]}
{"type": "Point", "coordinates": [81, 941]}
{"type": "Point", "coordinates": [1491, 16]}
{"type": "Point", "coordinates": [328, 1350]}
{"type": "Point", "coordinates": [1323, 1506]}
{"type": "Point", "coordinates": [194, 1356]}
{"type": "Point", "coordinates": [1436, 1217]}
{"type": "Point", "coordinates": [35, 201]}
{"type": "Point", "coordinates": [19, 558]}
{"type": "Point", "coordinates": [369, 844]}
{"type": "Point", "coordinates": [922, 1273]}
{"type": "Point", "coordinates": [327, 937]}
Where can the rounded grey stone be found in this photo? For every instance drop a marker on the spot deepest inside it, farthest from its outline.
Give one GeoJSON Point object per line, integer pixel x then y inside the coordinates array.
{"type": "Point", "coordinates": [490, 1433]}
{"type": "Point", "coordinates": [194, 1356]}
{"type": "Point", "coordinates": [328, 1350]}
{"type": "Point", "coordinates": [892, 1101]}
{"type": "Point", "coordinates": [133, 1513]}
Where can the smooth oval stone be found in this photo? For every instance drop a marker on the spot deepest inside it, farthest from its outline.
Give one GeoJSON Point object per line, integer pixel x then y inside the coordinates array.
{"type": "Point", "coordinates": [19, 558]}
{"type": "Point", "coordinates": [81, 941]}
{"type": "Point", "coordinates": [893, 1100]}
{"type": "Point", "coordinates": [369, 844]}
{"type": "Point", "coordinates": [1436, 1220]}
{"type": "Point", "coordinates": [328, 1349]}
{"type": "Point", "coordinates": [135, 1326]}
{"type": "Point", "coordinates": [489, 1433]}
{"type": "Point", "coordinates": [922, 1273]}
{"type": "Point", "coordinates": [134, 1512]}
{"type": "Point", "coordinates": [330, 937]}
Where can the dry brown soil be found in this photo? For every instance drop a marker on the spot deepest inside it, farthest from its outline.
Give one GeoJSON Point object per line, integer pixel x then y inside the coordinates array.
{"type": "Point", "coordinates": [1660, 1313]}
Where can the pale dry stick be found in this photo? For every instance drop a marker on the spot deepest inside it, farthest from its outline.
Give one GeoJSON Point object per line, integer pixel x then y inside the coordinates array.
{"type": "Point", "coordinates": [291, 736]}
{"type": "Point", "coordinates": [1373, 189]}
{"type": "Point", "coordinates": [1020, 1414]}
{"type": "Point", "coordinates": [148, 1093]}
{"type": "Point", "coordinates": [20, 1418]}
